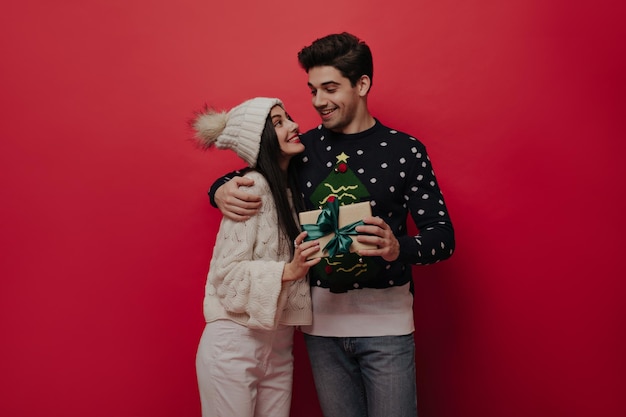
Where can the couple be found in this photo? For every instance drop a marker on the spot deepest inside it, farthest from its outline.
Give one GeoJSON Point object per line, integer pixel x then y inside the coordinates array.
{"type": "Point", "coordinates": [357, 318]}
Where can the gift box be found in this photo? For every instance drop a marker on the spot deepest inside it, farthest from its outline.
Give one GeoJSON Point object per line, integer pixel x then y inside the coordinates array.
{"type": "Point", "coordinates": [334, 227]}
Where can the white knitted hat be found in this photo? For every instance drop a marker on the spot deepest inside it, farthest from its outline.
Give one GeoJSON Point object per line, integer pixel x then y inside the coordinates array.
{"type": "Point", "coordinates": [239, 130]}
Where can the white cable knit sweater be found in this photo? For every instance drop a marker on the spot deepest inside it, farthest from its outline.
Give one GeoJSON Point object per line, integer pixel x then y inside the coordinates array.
{"type": "Point", "coordinates": [244, 283]}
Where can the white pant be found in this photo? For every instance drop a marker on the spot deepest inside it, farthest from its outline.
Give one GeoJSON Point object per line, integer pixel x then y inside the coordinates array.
{"type": "Point", "coordinates": [243, 372]}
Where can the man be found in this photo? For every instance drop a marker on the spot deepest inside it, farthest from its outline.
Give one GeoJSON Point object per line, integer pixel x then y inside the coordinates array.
{"type": "Point", "coordinates": [361, 342]}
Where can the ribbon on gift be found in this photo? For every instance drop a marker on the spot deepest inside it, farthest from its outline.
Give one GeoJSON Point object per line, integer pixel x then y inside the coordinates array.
{"type": "Point", "coordinates": [328, 222]}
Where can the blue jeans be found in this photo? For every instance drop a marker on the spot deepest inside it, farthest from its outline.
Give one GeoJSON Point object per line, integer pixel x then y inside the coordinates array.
{"type": "Point", "coordinates": [364, 376]}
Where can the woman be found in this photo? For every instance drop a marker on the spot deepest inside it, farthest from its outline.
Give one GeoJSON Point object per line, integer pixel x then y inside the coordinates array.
{"type": "Point", "coordinates": [256, 291]}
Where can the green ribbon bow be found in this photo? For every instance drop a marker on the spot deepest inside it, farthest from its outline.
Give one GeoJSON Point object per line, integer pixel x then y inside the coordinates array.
{"type": "Point", "coordinates": [328, 222]}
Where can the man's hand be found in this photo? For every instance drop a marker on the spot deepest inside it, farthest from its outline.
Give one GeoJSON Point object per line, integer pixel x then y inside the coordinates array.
{"type": "Point", "coordinates": [380, 235]}
{"type": "Point", "coordinates": [235, 204]}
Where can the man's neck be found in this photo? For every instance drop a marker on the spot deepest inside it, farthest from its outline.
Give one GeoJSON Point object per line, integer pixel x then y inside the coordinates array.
{"type": "Point", "coordinates": [359, 124]}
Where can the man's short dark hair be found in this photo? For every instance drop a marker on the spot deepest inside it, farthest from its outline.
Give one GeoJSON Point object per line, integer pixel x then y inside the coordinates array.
{"type": "Point", "coordinates": [344, 51]}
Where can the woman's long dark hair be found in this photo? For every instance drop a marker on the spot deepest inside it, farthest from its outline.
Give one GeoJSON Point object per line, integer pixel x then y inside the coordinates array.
{"type": "Point", "coordinates": [279, 182]}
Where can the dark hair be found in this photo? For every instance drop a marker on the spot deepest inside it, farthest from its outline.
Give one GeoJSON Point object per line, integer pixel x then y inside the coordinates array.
{"type": "Point", "coordinates": [344, 51]}
{"type": "Point", "coordinates": [267, 165]}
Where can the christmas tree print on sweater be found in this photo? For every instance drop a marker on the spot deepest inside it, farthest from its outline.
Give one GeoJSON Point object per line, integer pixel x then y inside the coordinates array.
{"type": "Point", "coordinates": [345, 270]}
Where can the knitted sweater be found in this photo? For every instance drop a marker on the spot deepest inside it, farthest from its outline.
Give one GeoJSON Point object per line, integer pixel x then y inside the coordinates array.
{"type": "Point", "coordinates": [244, 283]}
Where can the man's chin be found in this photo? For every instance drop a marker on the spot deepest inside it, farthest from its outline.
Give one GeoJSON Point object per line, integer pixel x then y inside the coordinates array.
{"type": "Point", "coordinates": [329, 124]}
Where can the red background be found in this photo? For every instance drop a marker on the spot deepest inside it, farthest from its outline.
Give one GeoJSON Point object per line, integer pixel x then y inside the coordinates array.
{"type": "Point", "coordinates": [106, 230]}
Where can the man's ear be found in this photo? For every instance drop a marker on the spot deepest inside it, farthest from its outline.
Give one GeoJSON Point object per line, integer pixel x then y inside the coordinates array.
{"type": "Point", "coordinates": [363, 84]}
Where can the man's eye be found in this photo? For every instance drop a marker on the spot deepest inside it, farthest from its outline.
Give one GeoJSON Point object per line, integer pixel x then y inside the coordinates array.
{"type": "Point", "coordinates": [313, 92]}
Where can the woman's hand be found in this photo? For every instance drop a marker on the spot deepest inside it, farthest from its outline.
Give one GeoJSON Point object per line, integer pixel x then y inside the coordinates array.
{"type": "Point", "coordinates": [299, 265]}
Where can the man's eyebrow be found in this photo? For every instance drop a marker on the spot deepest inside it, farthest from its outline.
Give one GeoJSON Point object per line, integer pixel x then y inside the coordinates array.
{"type": "Point", "coordinates": [326, 83]}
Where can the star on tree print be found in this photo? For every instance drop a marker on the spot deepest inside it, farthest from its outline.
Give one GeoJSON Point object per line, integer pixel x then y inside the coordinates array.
{"type": "Point", "coordinates": [342, 184]}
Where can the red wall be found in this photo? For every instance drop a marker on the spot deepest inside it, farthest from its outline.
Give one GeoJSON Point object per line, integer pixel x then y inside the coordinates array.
{"type": "Point", "coordinates": [106, 231]}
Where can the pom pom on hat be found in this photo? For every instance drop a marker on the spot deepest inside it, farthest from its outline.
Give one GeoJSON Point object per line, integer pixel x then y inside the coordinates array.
{"type": "Point", "coordinates": [208, 126]}
{"type": "Point", "coordinates": [239, 130]}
